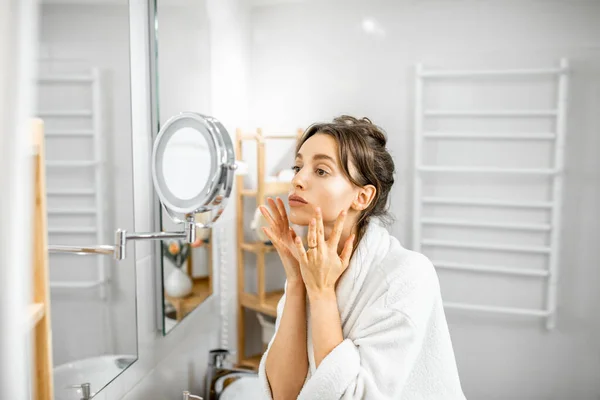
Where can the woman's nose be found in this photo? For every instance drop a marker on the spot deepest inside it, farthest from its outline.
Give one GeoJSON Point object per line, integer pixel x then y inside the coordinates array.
{"type": "Point", "coordinates": [298, 181]}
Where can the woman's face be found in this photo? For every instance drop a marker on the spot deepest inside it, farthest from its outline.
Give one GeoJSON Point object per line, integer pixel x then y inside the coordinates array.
{"type": "Point", "coordinates": [320, 182]}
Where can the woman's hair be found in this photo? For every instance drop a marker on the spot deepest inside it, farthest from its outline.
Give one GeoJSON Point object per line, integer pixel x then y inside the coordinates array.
{"type": "Point", "coordinates": [361, 143]}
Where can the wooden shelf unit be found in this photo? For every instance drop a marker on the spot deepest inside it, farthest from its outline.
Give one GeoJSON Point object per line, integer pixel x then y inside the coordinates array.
{"type": "Point", "coordinates": [263, 302]}
{"type": "Point", "coordinates": [39, 309]}
{"type": "Point", "coordinates": [202, 285]}
{"type": "Point", "coordinates": [207, 245]}
{"type": "Point", "coordinates": [36, 312]}
{"type": "Point", "coordinates": [184, 305]}
{"type": "Point", "coordinates": [267, 305]}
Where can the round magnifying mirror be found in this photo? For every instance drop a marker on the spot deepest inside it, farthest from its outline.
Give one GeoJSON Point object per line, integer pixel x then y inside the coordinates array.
{"type": "Point", "coordinates": [193, 164]}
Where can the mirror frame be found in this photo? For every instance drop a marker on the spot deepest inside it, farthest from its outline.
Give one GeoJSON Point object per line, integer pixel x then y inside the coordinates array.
{"type": "Point", "coordinates": [169, 129]}
{"type": "Point", "coordinates": [223, 166]}
{"type": "Point", "coordinates": [155, 205]}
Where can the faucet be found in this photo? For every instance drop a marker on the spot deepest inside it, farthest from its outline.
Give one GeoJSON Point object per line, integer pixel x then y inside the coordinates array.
{"type": "Point", "coordinates": [188, 396]}
{"type": "Point", "coordinates": [218, 376]}
{"type": "Point", "coordinates": [85, 390]}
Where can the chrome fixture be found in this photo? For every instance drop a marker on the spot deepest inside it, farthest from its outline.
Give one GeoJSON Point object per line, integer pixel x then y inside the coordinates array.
{"type": "Point", "coordinates": [218, 376]}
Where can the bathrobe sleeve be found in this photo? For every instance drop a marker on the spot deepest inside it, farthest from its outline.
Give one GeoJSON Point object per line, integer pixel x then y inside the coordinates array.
{"type": "Point", "coordinates": [374, 364]}
{"type": "Point", "coordinates": [376, 359]}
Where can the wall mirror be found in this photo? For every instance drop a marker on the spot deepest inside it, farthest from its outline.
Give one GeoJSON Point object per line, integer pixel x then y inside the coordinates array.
{"type": "Point", "coordinates": [83, 96]}
{"type": "Point", "coordinates": [181, 82]}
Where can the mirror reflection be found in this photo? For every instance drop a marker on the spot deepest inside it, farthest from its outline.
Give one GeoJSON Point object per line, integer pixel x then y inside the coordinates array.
{"type": "Point", "coordinates": [186, 150]}
{"type": "Point", "coordinates": [184, 293]}
{"type": "Point", "coordinates": [187, 273]}
{"type": "Point", "coordinates": [84, 100]}
{"type": "Point", "coordinates": [183, 85]}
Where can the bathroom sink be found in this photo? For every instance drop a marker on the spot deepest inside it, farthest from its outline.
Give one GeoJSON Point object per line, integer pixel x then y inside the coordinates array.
{"type": "Point", "coordinates": [98, 371]}
{"type": "Point", "coordinates": [247, 387]}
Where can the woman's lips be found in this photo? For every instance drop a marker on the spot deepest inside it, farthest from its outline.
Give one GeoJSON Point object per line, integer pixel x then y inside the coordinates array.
{"type": "Point", "coordinates": [296, 201]}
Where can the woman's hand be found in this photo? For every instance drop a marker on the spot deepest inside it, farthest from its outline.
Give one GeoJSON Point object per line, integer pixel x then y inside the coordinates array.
{"type": "Point", "coordinates": [282, 236]}
{"type": "Point", "coordinates": [321, 266]}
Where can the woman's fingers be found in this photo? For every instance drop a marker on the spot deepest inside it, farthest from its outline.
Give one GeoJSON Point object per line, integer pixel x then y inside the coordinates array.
{"type": "Point", "coordinates": [320, 229]}
{"type": "Point", "coordinates": [334, 239]}
{"type": "Point", "coordinates": [311, 238]}
{"type": "Point", "coordinates": [347, 251]}
{"type": "Point", "coordinates": [276, 215]}
{"type": "Point", "coordinates": [291, 242]}
{"type": "Point", "coordinates": [274, 239]}
{"type": "Point", "coordinates": [274, 210]}
{"type": "Point", "coordinates": [301, 251]}
{"type": "Point", "coordinates": [282, 212]}
{"type": "Point", "coordinates": [267, 215]}
{"type": "Point", "coordinates": [292, 233]}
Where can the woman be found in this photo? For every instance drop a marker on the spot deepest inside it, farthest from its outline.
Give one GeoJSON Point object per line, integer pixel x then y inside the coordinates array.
{"type": "Point", "coordinates": [361, 317]}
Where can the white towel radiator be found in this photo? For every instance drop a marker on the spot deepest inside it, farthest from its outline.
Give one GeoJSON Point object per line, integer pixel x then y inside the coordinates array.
{"type": "Point", "coordinates": [554, 205]}
{"type": "Point", "coordinates": [97, 191]}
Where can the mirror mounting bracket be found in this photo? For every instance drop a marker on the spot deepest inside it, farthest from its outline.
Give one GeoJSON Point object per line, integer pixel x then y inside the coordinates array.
{"type": "Point", "coordinates": [118, 250]}
{"type": "Point", "coordinates": [121, 237]}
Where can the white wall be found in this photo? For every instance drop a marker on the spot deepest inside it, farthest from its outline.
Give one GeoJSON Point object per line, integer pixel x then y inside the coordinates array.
{"type": "Point", "coordinates": [73, 39]}
{"type": "Point", "coordinates": [18, 45]}
{"type": "Point", "coordinates": [311, 61]}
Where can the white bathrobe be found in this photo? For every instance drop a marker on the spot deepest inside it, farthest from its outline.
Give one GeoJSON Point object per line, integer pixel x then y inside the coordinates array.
{"type": "Point", "coordinates": [396, 340]}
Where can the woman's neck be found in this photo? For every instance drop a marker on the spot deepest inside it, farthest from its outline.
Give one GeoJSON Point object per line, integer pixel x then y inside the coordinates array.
{"type": "Point", "coordinates": [348, 230]}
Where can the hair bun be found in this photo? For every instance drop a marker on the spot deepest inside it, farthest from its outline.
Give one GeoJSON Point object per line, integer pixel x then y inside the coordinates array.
{"type": "Point", "coordinates": [368, 127]}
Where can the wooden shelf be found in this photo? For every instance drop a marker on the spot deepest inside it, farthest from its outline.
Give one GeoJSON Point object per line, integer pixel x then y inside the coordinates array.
{"type": "Point", "coordinates": [268, 307]}
{"type": "Point", "coordinates": [35, 312]}
{"type": "Point", "coordinates": [271, 189]}
{"type": "Point", "coordinates": [279, 187]}
{"type": "Point", "coordinates": [261, 137]}
{"type": "Point", "coordinates": [258, 247]}
{"type": "Point", "coordinates": [38, 311]}
{"type": "Point", "coordinates": [266, 186]}
{"type": "Point", "coordinates": [251, 362]}
{"type": "Point", "coordinates": [184, 305]}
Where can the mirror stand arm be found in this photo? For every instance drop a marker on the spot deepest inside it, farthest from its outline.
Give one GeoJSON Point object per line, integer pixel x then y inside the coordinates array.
{"type": "Point", "coordinates": [121, 237]}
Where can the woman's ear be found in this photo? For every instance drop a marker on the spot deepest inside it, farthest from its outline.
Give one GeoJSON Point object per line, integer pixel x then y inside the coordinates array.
{"type": "Point", "coordinates": [364, 197]}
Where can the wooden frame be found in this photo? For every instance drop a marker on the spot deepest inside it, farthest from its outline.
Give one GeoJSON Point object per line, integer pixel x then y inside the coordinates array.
{"type": "Point", "coordinates": [39, 312]}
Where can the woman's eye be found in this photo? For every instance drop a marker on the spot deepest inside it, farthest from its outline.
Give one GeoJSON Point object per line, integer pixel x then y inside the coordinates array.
{"type": "Point", "coordinates": [321, 172]}
{"type": "Point", "coordinates": [295, 168]}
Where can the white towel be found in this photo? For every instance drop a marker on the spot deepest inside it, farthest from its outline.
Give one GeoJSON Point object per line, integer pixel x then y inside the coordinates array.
{"type": "Point", "coordinates": [396, 340]}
